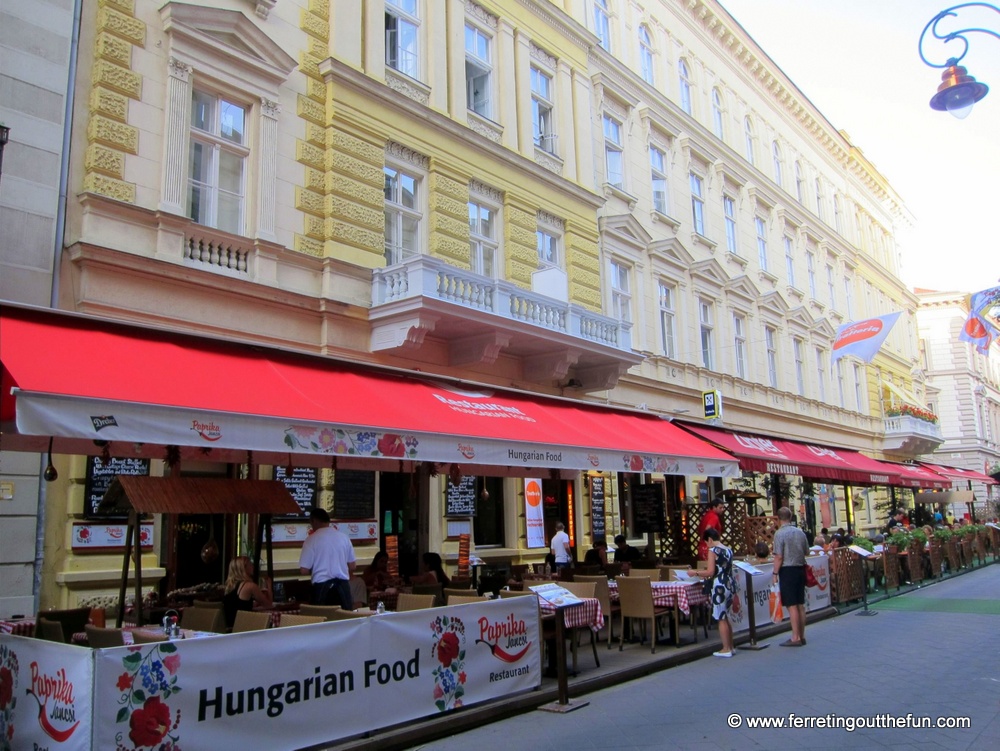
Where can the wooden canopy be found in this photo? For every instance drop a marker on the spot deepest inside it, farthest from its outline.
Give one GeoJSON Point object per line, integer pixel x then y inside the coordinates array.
{"type": "Point", "coordinates": [197, 495]}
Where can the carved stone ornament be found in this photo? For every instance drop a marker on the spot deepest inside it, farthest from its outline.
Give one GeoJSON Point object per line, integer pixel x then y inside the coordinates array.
{"type": "Point", "coordinates": [180, 71]}
{"type": "Point", "coordinates": [477, 188]}
{"type": "Point", "coordinates": [404, 85]}
{"type": "Point", "coordinates": [405, 154]}
{"type": "Point", "coordinates": [480, 13]}
{"type": "Point", "coordinates": [263, 7]}
{"type": "Point", "coordinates": [550, 220]}
{"type": "Point", "coordinates": [269, 108]}
{"type": "Point", "coordinates": [537, 53]}
{"type": "Point", "coordinates": [548, 161]}
{"type": "Point", "coordinates": [485, 128]}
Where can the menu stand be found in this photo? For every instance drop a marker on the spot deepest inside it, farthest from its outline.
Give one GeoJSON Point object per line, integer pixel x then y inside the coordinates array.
{"type": "Point", "coordinates": [863, 559]}
{"type": "Point", "coordinates": [751, 616]}
{"type": "Point", "coordinates": [563, 705]}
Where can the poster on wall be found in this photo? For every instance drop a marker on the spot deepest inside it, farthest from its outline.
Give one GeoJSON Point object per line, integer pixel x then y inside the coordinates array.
{"type": "Point", "coordinates": [598, 529]}
{"type": "Point", "coordinates": [534, 520]}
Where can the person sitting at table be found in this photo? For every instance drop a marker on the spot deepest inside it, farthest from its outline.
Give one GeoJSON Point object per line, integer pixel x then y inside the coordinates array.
{"type": "Point", "coordinates": [376, 573]}
{"type": "Point", "coordinates": [431, 571]}
{"type": "Point", "coordinates": [625, 553]}
{"type": "Point", "coordinates": [720, 564]}
{"type": "Point", "coordinates": [241, 591]}
{"type": "Point", "coordinates": [762, 551]}
{"type": "Point", "coordinates": [597, 555]}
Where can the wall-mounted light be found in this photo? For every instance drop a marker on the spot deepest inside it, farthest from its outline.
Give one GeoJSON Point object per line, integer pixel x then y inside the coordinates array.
{"type": "Point", "coordinates": [50, 474]}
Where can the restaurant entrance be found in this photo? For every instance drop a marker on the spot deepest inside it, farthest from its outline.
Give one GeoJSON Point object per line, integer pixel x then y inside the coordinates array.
{"type": "Point", "coordinates": [398, 504]}
{"type": "Point", "coordinates": [202, 549]}
{"type": "Point", "coordinates": [559, 505]}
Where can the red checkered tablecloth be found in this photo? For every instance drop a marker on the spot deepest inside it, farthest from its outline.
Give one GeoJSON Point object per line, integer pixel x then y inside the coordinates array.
{"type": "Point", "coordinates": [587, 614]}
{"type": "Point", "coordinates": [670, 594]}
{"type": "Point", "coordinates": [20, 627]}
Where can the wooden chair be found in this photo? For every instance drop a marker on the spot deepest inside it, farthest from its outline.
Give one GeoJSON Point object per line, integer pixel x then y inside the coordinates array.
{"type": "Point", "coordinates": [464, 599]}
{"type": "Point", "coordinates": [409, 601]}
{"type": "Point", "coordinates": [71, 621]}
{"type": "Point", "coordinates": [209, 604]}
{"type": "Point", "coordinates": [326, 611]}
{"type": "Point", "coordinates": [583, 590]}
{"type": "Point", "coordinates": [147, 636]}
{"type": "Point", "coordinates": [430, 589]}
{"type": "Point", "coordinates": [49, 630]}
{"type": "Point", "coordinates": [290, 619]}
{"type": "Point", "coordinates": [603, 595]}
{"type": "Point", "coordinates": [204, 619]}
{"type": "Point", "coordinates": [248, 620]}
{"type": "Point", "coordinates": [101, 638]}
{"type": "Point", "coordinates": [635, 595]}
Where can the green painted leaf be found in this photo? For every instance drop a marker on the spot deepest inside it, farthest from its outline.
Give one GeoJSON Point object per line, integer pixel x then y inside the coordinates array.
{"type": "Point", "coordinates": [167, 647]}
{"type": "Point", "coordinates": [289, 441]}
{"type": "Point", "coordinates": [138, 697]}
{"type": "Point", "coordinates": [132, 660]}
{"type": "Point", "coordinates": [122, 715]}
{"type": "Point", "coordinates": [440, 705]}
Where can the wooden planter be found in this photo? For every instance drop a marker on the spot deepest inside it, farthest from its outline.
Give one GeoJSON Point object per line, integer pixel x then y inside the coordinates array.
{"type": "Point", "coordinates": [847, 576]}
{"type": "Point", "coordinates": [951, 548]}
{"type": "Point", "coordinates": [891, 556]}
{"type": "Point", "coordinates": [915, 561]}
{"type": "Point", "coordinates": [936, 558]}
{"type": "Point", "coordinates": [966, 547]}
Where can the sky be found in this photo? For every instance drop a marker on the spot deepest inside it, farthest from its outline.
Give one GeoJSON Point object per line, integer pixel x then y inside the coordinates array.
{"type": "Point", "coordinates": [857, 62]}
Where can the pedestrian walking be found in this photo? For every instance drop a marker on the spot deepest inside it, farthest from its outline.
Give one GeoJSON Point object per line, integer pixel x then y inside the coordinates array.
{"type": "Point", "coordinates": [790, 550]}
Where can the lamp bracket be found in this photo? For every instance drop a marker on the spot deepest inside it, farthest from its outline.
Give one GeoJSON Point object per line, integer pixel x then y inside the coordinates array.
{"type": "Point", "coordinates": [952, 35]}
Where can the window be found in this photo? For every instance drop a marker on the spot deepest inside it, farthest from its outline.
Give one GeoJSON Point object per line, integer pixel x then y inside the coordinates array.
{"type": "Point", "coordinates": [697, 204]}
{"type": "Point", "coordinates": [740, 345]}
{"type": "Point", "coordinates": [776, 156]}
{"type": "Point", "coordinates": [217, 163]}
{"type": "Point", "coordinates": [748, 139]}
{"type": "Point", "coordinates": [729, 212]}
{"type": "Point", "coordinates": [798, 182]}
{"type": "Point", "coordinates": [848, 300]}
{"type": "Point", "coordinates": [646, 55]}
{"type": "Point", "coordinates": [830, 287]}
{"type": "Point", "coordinates": [478, 70]}
{"type": "Point", "coordinates": [840, 383]}
{"type": "Point", "coordinates": [819, 199]}
{"type": "Point", "coordinates": [602, 24]}
{"type": "Point", "coordinates": [789, 260]}
{"type": "Point", "coordinates": [718, 122]}
{"type": "Point", "coordinates": [837, 219]}
{"type": "Point", "coordinates": [685, 86]}
{"type": "Point", "coordinates": [402, 215]}
{"type": "Point", "coordinates": [761, 228]}
{"type": "Point", "coordinates": [821, 374]}
{"type": "Point", "coordinates": [541, 110]}
{"type": "Point", "coordinates": [488, 526]}
{"type": "Point", "coordinates": [621, 292]}
{"type": "Point", "coordinates": [811, 272]}
{"type": "Point", "coordinates": [613, 152]}
{"type": "Point", "coordinates": [483, 238]}
{"type": "Point", "coordinates": [800, 376]}
{"type": "Point", "coordinates": [859, 396]}
{"type": "Point", "coordinates": [547, 241]}
{"type": "Point", "coordinates": [770, 338]}
{"type": "Point", "coordinates": [667, 314]}
{"type": "Point", "coordinates": [707, 345]}
{"type": "Point", "coordinates": [658, 179]}
{"type": "Point", "coordinates": [401, 24]}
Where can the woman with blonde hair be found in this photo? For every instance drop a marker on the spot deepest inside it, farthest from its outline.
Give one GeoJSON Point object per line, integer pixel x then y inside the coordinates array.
{"type": "Point", "coordinates": [241, 590]}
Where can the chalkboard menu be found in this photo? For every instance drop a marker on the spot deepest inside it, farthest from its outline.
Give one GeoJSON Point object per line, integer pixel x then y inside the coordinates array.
{"type": "Point", "coordinates": [301, 483]}
{"type": "Point", "coordinates": [597, 508]}
{"type": "Point", "coordinates": [460, 499]}
{"type": "Point", "coordinates": [353, 494]}
{"type": "Point", "coordinates": [647, 508]}
{"type": "Point", "coordinates": [100, 474]}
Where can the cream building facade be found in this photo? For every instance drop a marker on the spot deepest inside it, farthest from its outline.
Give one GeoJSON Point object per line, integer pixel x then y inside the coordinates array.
{"type": "Point", "coordinates": [621, 203]}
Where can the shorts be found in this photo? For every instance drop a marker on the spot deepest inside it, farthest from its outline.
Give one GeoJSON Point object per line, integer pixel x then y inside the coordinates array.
{"type": "Point", "coordinates": [792, 581]}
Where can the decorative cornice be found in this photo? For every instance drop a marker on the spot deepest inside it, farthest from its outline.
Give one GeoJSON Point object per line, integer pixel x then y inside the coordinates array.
{"type": "Point", "coordinates": [269, 108]}
{"type": "Point", "coordinates": [537, 53]}
{"type": "Point", "coordinates": [180, 71]}
{"type": "Point", "coordinates": [551, 220]}
{"type": "Point", "coordinates": [480, 13]}
{"type": "Point", "coordinates": [405, 154]}
{"type": "Point", "coordinates": [477, 188]}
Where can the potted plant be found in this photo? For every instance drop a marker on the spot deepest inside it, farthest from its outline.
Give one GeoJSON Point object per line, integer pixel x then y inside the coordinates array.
{"type": "Point", "coordinates": [898, 540]}
{"type": "Point", "coordinates": [864, 542]}
{"type": "Point", "coordinates": [943, 535]}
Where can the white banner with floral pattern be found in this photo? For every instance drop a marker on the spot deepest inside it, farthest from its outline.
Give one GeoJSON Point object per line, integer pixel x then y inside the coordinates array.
{"type": "Point", "coordinates": [306, 685]}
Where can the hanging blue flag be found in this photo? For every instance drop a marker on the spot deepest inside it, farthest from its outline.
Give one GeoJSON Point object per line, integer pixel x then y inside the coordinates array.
{"type": "Point", "coordinates": [862, 339]}
{"type": "Point", "coordinates": [982, 327]}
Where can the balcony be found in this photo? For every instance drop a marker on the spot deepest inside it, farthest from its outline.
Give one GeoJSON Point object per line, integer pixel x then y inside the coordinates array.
{"type": "Point", "coordinates": [479, 318]}
{"type": "Point", "coordinates": [910, 436]}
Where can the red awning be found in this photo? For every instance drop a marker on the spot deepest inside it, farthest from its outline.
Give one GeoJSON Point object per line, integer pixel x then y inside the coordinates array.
{"type": "Point", "coordinates": [960, 474]}
{"type": "Point", "coordinates": [80, 377]}
{"type": "Point", "coordinates": [916, 476]}
{"type": "Point", "coordinates": [760, 453]}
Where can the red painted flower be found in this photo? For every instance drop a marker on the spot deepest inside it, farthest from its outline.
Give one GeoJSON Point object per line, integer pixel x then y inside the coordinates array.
{"type": "Point", "coordinates": [6, 687]}
{"type": "Point", "coordinates": [448, 649]}
{"type": "Point", "coordinates": [171, 663]}
{"type": "Point", "coordinates": [636, 463]}
{"type": "Point", "coordinates": [150, 724]}
{"type": "Point", "coordinates": [391, 445]}
{"type": "Point", "coordinates": [461, 677]}
{"type": "Point", "coordinates": [124, 682]}
{"type": "Point", "coordinates": [438, 692]}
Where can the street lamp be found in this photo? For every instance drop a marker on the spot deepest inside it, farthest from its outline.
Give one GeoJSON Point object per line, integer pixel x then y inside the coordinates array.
{"type": "Point", "coordinates": [958, 91]}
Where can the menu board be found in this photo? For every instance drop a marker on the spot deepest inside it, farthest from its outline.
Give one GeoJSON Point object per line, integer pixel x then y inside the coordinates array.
{"type": "Point", "coordinates": [597, 508]}
{"type": "Point", "coordinates": [460, 500]}
{"type": "Point", "coordinates": [100, 474]}
{"type": "Point", "coordinates": [647, 508]}
{"type": "Point", "coordinates": [301, 484]}
{"type": "Point", "coordinates": [353, 494]}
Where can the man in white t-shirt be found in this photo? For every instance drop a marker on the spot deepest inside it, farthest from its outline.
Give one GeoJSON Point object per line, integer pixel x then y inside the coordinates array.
{"type": "Point", "coordinates": [560, 546]}
{"type": "Point", "coordinates": [328, 558]}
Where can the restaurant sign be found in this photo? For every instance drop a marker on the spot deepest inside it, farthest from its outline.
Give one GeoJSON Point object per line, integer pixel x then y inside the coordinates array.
{"type": "Point", "coordinates": [99, 537]}
{"type": "Point", "coordinates": [766, 603]}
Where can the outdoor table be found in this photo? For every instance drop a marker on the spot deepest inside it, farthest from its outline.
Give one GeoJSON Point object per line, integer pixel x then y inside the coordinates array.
{"type": "Point", "coordinates": [277, 609]}
{"type": "Point", "coordinates": [681, 595]}
{"type": "Point", "coordinates": [18, 627]}
{"type": "Point", "coordinates": [588, 613]}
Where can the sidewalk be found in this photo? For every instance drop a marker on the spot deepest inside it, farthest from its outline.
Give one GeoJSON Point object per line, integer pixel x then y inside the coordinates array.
{"type": "Point", "coordinates": [924, 658]}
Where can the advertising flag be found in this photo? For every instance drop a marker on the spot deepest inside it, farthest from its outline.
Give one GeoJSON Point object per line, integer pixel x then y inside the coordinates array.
{"type": "Point", "coordinates": [862, 339]}
{"type": "Point", "coordinates": [982, 327]}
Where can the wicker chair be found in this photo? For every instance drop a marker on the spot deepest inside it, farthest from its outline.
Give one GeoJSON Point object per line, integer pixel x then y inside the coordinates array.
{"type": "Point", "coordinates": [583, 590]}
{"type": "Point", "coordinates": [71, 621]}
{"type": "Point", "coordinates": [101, 638]}
{"type": "Point", "coordinates": [409, 601]}
{"type": "Point", "coordinates": [290, 619]}
{"type": "Point", "coordinates": [465, 599]}
{"type": "Point", "coordinates": [247, 620]}
{"type": "Point", "coordinates": [430, 589]}
{"type": "Point", "coordinates": [204, 619]}
{"type": "Point", "coordinates": [147, 636]}
{"type": "Point", "coordinates": [635, 595]}
{"type": "Point", "coordinates": [326, 611]}
{"type": "Point", "coordinates": [49, 630]}
{"type": "Point", "coordinates": [603, 595]}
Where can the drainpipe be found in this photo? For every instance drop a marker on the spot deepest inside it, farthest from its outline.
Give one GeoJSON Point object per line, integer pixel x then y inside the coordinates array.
{"type": "Point", "coordinates": [74, 54]}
